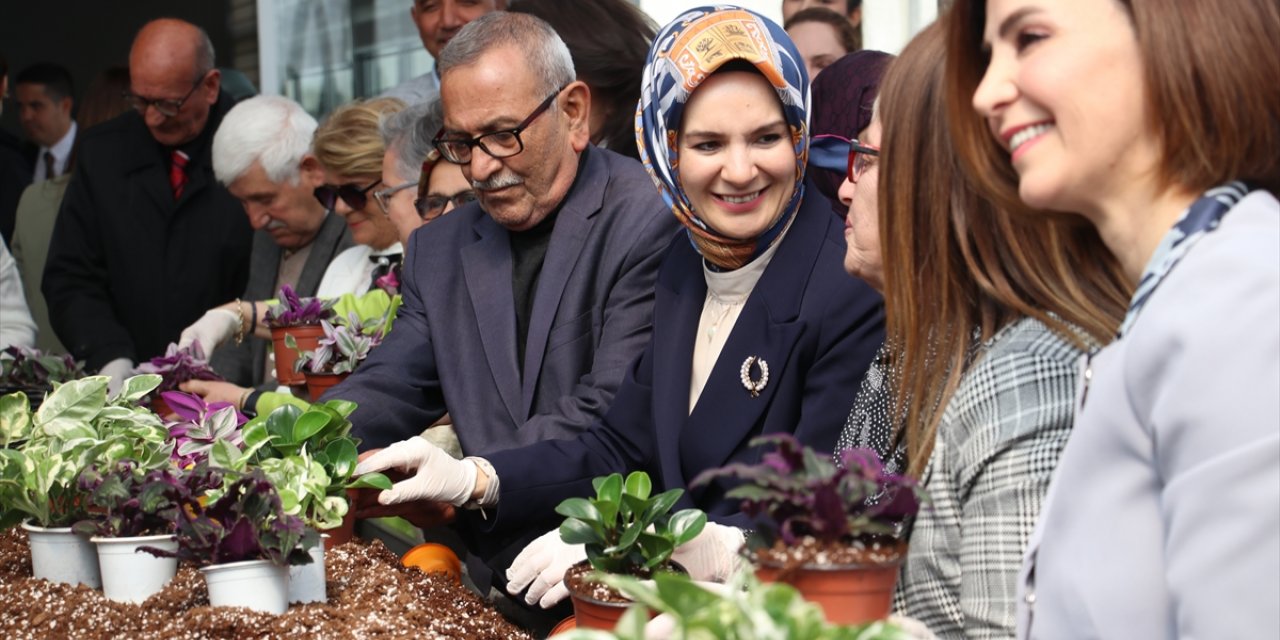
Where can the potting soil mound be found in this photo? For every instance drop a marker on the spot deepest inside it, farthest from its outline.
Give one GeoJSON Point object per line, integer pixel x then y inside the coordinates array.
{"type": "Point", "coordinates": [370, 596]}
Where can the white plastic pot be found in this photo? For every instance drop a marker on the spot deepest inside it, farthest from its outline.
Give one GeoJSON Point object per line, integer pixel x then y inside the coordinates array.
{"type": "Point", "coordinates": [130, 575]}
{"type": "Point", "coordinates": [59, 555]}
{"type": "Point", "coordinates": [306, 581]}
{"type": "Point", "coordinates": [253, 584]}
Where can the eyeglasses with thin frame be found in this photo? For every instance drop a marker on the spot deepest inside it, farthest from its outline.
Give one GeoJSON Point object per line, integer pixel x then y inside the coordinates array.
{"type": "Point", "coordinates": [383, 196]}
{"type": "Point", "coordinates": [861, 157]}
{"type": "Point", "coordinates": [498, 144]}
{"type": "Point", "coordinates": [167, 107]}
{"type": "Point", "coordinates": [432, 207]}
{"type": "Point", "coordinates": [355, 197]}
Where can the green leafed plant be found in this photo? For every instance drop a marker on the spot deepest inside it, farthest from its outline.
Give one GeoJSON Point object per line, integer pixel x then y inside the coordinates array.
{"type": "Point", "coordinates": [744, 609]}
{"type": "Point", "coordinates": [624, 529]}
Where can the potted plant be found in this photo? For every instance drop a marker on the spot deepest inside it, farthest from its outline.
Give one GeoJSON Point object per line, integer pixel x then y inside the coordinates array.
{"type": "Point", "coordinates": [77, 425]}
{"type": "Point", "coordinates": [175, 367]}
{"type": "Point", "coordinates": [826, 526]}
{"type": "Point", "coordinates": [240, 538]}
{"type": "Point", "coordinates": [742, 609]}
{"type": "Point", "coordinates": [300, 319]}
{"type": "Point", "coordinates": [200, 426]}
{"type": "Point", "coordinates": [133, 508]}
{"type": "Point", "coordinates": [34, 372]}
{"type": "Point", "coordinates": [625, 531]}
{"type": "Point", "coordinates": [338, 353]}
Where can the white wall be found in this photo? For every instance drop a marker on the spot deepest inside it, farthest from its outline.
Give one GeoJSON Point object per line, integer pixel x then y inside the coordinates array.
{"type": "Point", "coordinates": [887, 25]}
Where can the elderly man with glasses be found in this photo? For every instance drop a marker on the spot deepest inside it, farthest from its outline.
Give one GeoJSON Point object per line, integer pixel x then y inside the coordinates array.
{"type": "Point", "coordinates": [522, 310]}
{"type": "Point", "coordinates": [147, 239]}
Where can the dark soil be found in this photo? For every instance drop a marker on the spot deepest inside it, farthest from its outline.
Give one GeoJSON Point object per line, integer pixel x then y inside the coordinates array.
{"type": "Point", "coordinates": [577, 581]}
{"type": "Point", "coordinates": [810, 551]}
{"type": "Point", "coordinates": [370, 596]}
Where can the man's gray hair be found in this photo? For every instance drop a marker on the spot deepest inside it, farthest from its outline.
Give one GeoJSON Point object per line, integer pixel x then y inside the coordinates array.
{"type": "Point", "coordinates": [545, 52]}
{"type": "Point", "coordinates": [409, 133]}
{"type": "Point", "coordinates": [271, 130]}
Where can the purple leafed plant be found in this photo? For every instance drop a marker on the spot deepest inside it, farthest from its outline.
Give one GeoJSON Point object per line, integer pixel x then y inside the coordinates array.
{"type": "Point", "coordinates": [200, 425]}
{"type": "Point", "coordinates": [23, 368]}
{"type": "Point", "coordinates": [796, 492]}
{"type": "Point", "coordinates": [129, 501]}
{"type": "Point", "coordinates": [293, 311]}
{"type": "Point", "coordinates": [247, 523]}
{"type": "Point", "coordinates": [177, 366]}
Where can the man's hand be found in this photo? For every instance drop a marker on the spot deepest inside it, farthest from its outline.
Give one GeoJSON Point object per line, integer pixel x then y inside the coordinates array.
{"type": "Point", "coordinates": [432, 474]}
{"type": "Point", "coordinates": [541, 566]}
{"type": "Point", "coordinates": [713, 555]}
{"type": "Point", "coordinates": [215, 327]}
{"type": "Point", "coordinates": [215, 391]}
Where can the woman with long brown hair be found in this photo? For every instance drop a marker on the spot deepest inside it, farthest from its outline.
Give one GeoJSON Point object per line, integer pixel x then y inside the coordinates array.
{"type": "Point", "coordinates": [987, 314]}
{"type": "Point", "coordinates": [1158, 124]}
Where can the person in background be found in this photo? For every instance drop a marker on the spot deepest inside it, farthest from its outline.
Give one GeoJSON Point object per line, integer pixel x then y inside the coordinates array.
{"type": "Point", "coordinates": [262, 153]}
{"type": "Point", "coordinates": [850, 9]}
{"type": "Point", "coordinates": [15, 160]}
{"type": "Point", "coordinates": [1158, 125]}
{"type": "Point", "coordinates": [437, 22]}
{"type": "Point", "coordinates": [755, 284]}
{"type": "Point", "coordinates": [38, 208]}
{"type": "Point", "coordinates": [822, 37]}
{"type": "Point", "coordinates": [146, 239]}
{"type": "Point", "coordinates": [418, 187]}
{"type": "Point", "coordinates": [608, 40]}
{"type": "Point", "coordinates": [842, 102]}
{"type": "Point", "coordinates": [16, 326]}
{"type": "Point", "coordinates": [44, 93]}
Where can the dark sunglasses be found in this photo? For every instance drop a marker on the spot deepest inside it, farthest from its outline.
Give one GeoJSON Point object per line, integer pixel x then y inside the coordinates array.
{"type": "Point", "coordinates": [354, 196]}
{"type": "Point", "coordinates": [861, 157]}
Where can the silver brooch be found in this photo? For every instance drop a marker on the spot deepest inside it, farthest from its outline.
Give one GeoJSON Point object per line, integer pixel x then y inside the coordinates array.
{"type": "Point", "coordinates": [754, 385]}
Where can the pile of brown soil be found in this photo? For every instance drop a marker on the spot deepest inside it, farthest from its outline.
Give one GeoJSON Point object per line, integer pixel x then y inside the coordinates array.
{"type": "Point", "coordinates": [370, 596]}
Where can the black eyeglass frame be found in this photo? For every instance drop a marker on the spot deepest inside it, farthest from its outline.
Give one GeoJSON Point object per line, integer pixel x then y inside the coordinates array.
{"type": "Point", "coordinates": [857, 165]}
{"type": "Point", "coordinates": [166, 107]}
{"type": "Point", "coordinates": [441, 144]}
{"type": "Point", "coordinates": [354, 196]}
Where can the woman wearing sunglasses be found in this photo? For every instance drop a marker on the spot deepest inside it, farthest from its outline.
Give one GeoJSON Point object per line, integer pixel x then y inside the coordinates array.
{"type": "Point", "coordinates": [757, 329]}
{"type": "Point", "coordinates": [1158, 124]}
{"type": "Point", "coordinates": [989, 315]}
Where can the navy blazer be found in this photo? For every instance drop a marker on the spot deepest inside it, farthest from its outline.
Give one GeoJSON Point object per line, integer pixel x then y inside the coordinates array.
{"type": "Point", "coordinates": [453, 347]}
{"type": "Point", "coordinates": [816, 327]}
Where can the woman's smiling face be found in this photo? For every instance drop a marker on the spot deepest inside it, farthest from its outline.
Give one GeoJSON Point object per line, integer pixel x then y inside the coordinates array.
{"type": "Point", "coordinates": [738, 172]}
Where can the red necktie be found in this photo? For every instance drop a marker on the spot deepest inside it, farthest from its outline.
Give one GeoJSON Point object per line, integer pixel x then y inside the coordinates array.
{"type": "Point", "coordinates": [178, 173]}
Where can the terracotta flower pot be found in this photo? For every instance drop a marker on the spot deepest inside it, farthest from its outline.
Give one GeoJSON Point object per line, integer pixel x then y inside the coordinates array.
{"type": "Point", "coordinates": [318, 383]}
{"type": "Point", "coordinates": [307, 337]}
{"type": "Point", "coordinates": [564, 626]}
{"type": "Point", "coordinates": [590, 612]}
{"type": "Point", "coordinates": [848, 594]}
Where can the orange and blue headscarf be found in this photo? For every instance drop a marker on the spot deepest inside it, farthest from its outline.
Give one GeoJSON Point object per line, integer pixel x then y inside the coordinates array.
{"type": "Point", "coordinates": [683, 55]}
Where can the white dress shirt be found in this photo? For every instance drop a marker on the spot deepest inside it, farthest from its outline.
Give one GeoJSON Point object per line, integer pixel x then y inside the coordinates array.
{"type": "Point", "coordinates": [61, 151]}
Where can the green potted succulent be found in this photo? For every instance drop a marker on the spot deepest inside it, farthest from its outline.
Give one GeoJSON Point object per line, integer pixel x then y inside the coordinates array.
{"type": "Point", "coordinates": [34, 372]}
{"type": "Point", "coordinates": [742, 609]}
{"type": "Point", "coordinates": [46, 450]}
{"type": "Point", "coordinates": [826, 526]}
{"type": "Point", "coordinates": [298, 319]}
{"type": "Point", "coordinates": [239, 536]}
{"type": "Point", "coordinates": [343, 347]}
{"type": "Point", "coordinates": [625, 530]}
{"type": "Point", "coordinates": [131, 507]}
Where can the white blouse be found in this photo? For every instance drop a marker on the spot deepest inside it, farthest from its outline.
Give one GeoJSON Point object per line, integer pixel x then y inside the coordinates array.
{"type": "Point", "coordinates": [351, 270]}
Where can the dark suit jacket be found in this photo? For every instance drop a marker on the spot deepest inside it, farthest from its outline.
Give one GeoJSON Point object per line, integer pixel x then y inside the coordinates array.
{"type": "Point", "coordinates": [15, 175]}
{"type": "Point", "coordinates": [243, 364]}
{"type": "Point", "coordinates": [129, 268]}
{"type": "Point", "coordinates": [816, 327]}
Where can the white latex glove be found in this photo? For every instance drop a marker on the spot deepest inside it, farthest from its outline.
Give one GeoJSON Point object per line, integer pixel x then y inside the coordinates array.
{"type": "Point", "coordinates": [215, 327]}
{"type": "Point", "coordinates": [541, 566]}
{"type": "Point", "coordinates": [713, 554]}
{"type": "Point", "coordinates": [437, 476]}
{"type": "Point", "coordinates": [119, 370]}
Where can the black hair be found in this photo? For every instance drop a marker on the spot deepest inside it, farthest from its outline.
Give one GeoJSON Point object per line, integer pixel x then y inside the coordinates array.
{"type": "Point", "coordinates": [55, 78]}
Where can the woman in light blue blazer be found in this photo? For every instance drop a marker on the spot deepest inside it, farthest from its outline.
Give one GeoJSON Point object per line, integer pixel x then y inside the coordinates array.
{"type": "Point", "coordinates": [1159, 124]}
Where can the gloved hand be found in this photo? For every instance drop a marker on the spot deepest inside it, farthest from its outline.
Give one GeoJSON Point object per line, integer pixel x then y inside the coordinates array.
{"type": "Point", "coordinates": [433, 474]}
{"type": "Point", "coordinates": [215, 327]}
{"type": "Point", "coordinates": [713, 554]}
{"type": "Point", "coordinates": [119, 370]}
{"type": "Point", "coordinates": [541, 566]}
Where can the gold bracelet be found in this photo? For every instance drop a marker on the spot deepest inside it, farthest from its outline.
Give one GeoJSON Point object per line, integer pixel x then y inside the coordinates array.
{"type": "Point", "coordinates": [240, 323]}
{"type": "Point", "coordinates": [244, 396]}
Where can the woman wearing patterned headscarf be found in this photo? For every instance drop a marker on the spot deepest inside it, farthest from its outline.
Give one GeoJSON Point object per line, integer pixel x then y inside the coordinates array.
{"type": "Point", "coordinates": [757, 329]}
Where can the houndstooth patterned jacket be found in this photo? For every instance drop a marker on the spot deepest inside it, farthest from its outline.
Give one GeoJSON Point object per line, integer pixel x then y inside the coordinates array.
{"type": "Point", "coordinates": [998, 443]}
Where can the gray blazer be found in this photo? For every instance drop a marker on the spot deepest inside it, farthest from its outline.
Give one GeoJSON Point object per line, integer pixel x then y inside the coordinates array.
{"type": "Point", "coordinates": [1163, 520]}
{"type": "Point", "coordinates": [997, 445]}
{"type": "Point", "coordinates": [243, 364]}
{"type": "Point", "coordinates": [453, 347]}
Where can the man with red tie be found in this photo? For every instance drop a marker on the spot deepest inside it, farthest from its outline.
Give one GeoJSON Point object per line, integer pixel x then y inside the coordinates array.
{"type": "Point", "coordinates": [147, 239]}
